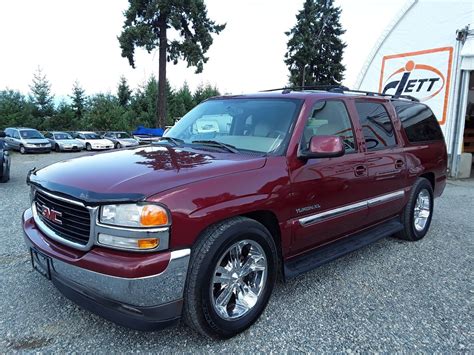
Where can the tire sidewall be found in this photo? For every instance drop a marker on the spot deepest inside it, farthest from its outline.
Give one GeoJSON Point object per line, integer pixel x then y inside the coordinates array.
{"type": "Point", "coordinates": [88, 147]}
{"type": "Point", "coordinates": [241, 231]}
{"type": "Point", "coordinates": [22, 149]}
{"type": "Point", "coordinates": [423, 185]}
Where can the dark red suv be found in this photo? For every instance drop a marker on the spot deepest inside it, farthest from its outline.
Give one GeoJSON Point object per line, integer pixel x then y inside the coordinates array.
{"type": "Point", "coordinates": [241, 189]}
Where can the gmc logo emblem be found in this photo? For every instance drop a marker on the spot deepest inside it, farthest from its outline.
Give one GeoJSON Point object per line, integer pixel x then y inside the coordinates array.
{"type": "Point", "coordinates": [51, 215]}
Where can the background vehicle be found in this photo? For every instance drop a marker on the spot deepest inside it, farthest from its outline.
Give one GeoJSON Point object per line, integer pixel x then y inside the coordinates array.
{"type": "Point", "coordinates": [62, 141]}
{"type": "Point", "coordinates": [121, 139]}
{"type": "Point", "coordinates": [92, 141]}
{"type": "Point", "coordinates": [27, 140]}
{"type": "Point", "coordinates": [4, 159]}
{"type": "Point", "coordinates": [147, 135]}
{"type": "Point", "coordinates": [248, 187]}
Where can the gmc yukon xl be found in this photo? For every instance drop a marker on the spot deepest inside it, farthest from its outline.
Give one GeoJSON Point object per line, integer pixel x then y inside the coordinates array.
{"type": "Point", "coordinates": [241, 190]}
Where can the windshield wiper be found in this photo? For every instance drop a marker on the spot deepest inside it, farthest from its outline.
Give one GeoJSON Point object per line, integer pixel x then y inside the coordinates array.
{"type": "Point", "coordinates": [175, 141]}
{"type": "Point", "coordinates": [228, 147]}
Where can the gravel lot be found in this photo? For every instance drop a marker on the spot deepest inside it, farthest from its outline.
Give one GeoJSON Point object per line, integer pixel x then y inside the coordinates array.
{"type": "Point", "coordinates": [390, 296]}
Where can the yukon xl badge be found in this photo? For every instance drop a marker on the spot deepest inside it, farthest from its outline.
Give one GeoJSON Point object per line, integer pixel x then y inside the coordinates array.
{"type": "Point", "coordinates": [308, 208]}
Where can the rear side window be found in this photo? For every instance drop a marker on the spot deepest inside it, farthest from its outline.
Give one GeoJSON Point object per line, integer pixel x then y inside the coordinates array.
{"type": "Point", "coordinates": [419, 122]}
{"type": "Point", "coordinates": [376, 126]}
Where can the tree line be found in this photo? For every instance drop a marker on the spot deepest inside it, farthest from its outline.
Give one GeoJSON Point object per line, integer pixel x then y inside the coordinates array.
{"type": "Point", "coordinates": [123, 110]}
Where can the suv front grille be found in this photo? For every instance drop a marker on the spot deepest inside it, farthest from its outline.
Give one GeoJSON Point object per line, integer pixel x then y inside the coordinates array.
{"type": "Point", "coordinates": [74, 221]}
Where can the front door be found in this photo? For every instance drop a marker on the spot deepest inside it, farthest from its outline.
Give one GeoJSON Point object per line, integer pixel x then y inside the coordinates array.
{"type": "Point", "coordinates": [329, 194]}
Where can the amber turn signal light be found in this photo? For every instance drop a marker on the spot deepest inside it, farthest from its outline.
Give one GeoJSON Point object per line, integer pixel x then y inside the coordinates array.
{"type": "Point", "coordinates": [153, 216]}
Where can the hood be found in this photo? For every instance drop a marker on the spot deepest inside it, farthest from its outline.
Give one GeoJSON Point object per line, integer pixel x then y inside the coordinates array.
{"type": "Point", "coordinates": [134, 174]}
{"type": "Point", "coordinates": [68, 141]}
{"type": "Point", "coordinates": [36, 141]}
{"type": "Point", "coordinates": [127, 140]}
{"type": "Point", "coordinates": [98, 141]}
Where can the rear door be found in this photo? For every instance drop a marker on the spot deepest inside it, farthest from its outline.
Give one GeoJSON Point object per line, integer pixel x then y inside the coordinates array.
{"type": "Point", "coordinates": [329, 194]}
{"type": "Point", "coordinates": [386, 166]}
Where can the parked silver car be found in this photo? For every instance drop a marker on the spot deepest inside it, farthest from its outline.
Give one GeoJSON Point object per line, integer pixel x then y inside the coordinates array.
{"type": "Point", "coordinates": [121, 139]}
{"type": "Point", "coordinates": [62, 141]}
{"type": "Point", "coordinates": [26, 140]}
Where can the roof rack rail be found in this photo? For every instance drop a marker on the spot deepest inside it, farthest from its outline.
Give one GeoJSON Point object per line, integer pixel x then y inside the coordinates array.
{"type": "Point", "coordinates": [340, 89]}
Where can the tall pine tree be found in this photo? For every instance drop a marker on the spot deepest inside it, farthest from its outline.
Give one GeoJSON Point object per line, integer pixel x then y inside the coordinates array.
{"type": "Point", "coordinates": [315, 48]}
{"type": "Point", "coordinates": [124, 93]}
{"type": "Point", "coordinates": [78, 98]}
{"type": "Point", "coordinates": [146, 25]}
{"type": "Point", "coordinates": [41, 97]}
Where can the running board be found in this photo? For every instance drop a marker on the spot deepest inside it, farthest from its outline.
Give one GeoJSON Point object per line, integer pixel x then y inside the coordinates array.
{"type": "Point", "coordinates": [320, 256]}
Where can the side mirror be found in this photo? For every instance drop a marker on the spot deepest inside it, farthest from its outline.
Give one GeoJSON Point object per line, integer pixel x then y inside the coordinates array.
{"type": "Point", "coordinates": [323, 147]}
{"type": "Point", "coordinates": [2, 134]}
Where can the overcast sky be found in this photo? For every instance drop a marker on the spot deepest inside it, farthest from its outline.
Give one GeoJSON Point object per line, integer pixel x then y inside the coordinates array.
{"type": "Point", "coordinates": [73, 40]}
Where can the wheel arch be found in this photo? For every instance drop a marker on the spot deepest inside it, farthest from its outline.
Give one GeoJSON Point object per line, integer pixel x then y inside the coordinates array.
{"type": "Point", "coordinates": [430, 177]}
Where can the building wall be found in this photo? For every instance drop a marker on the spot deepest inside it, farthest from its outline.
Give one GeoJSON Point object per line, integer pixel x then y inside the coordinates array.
{"type": "Point", "coordinates": [416, 55]}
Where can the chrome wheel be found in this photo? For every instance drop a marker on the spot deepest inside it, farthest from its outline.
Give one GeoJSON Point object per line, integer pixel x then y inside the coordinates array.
{"type": "Point", "coordinates": [239, 279]}
{"type": "Point", "coordinates": [422, 210]}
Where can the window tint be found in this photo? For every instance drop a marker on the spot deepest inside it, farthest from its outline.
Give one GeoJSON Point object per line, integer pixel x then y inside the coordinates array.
{"type": "Point", "coordinates": [330, 118]}
{"type": "Point", "coordinates": [16, 135]}
{"type": "Point", "coordinates": [376, 126]}
{"type": "Point", "coordinates": [419, 122]}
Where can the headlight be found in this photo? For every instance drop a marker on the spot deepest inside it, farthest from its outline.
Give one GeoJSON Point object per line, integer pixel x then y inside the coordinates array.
{"type": "Point", "coordinates": [134, 215]}
{"type": "Point", "coordinates": [29, 145]}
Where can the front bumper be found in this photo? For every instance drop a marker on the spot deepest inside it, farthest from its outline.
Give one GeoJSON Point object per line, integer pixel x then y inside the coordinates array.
{"type": "Point", "coordinates": [38, 149]}
{"type": "Point", "coordinates": [145, 302]}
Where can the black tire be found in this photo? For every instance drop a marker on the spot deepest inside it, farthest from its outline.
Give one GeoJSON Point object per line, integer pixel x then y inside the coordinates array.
{"type": "Point", "coordinates": [88, 147]}
{"type": "Point", "coordinates": [410, 232]}
{"type": "Point", "coordinates": [199, 312]}
{"type": "Point", "coordinates": [56, 148]}
{"type": "Point", "coordinates": [22, 149]}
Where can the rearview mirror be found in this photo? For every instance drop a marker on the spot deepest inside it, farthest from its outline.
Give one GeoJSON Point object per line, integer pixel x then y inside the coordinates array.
{"type": "Point", "coordinates": [2, 134]}
{"type": "Point", "coordinates": [323, 147]}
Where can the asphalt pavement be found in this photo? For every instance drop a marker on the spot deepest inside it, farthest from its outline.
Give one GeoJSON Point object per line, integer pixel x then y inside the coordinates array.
{"type": "Point", "coordinates": [389, 296]}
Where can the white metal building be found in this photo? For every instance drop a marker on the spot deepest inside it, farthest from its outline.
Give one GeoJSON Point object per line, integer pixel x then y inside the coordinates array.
{"type": "Point", "coordinates": [428, 52]}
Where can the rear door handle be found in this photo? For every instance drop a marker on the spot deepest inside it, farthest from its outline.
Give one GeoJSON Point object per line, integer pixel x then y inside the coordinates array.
{"type": "Point", "coordinates": [399, 164]}
{"type": "Point", "coordinates": [360, 170]}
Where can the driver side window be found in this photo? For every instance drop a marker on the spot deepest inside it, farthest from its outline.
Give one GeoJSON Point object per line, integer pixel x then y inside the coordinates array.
{"type": "Point", "coordinates": [330, 118]}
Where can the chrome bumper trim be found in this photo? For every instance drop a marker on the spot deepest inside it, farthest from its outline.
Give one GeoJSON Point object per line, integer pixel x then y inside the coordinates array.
{"type": "Point", "coordinates": [146, 291]}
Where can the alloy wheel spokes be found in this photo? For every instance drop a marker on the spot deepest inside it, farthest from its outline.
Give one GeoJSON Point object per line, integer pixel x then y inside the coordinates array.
{"type": "Point", "coordinates": [239, 279]}
{"type": "Point", "coordinates": [422, 210]}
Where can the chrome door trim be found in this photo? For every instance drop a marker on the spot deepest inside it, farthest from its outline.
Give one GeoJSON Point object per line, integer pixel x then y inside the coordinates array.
{"type": "Point", "coordinates": [332, 213]}
{"type": "Point", "coordinates": [319, 217]}
{"type": "Point", "coordinates": [385, 198]}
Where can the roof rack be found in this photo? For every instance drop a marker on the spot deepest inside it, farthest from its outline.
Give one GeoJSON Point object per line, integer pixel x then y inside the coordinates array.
{"type": "Point", "coordinates": [340, 89]}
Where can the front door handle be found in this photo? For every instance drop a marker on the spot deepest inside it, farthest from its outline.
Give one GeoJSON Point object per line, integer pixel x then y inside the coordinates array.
{"type": "Point", "coordinates": [399, 164]}
{"type": "Point", "coordinates": [360, 170]}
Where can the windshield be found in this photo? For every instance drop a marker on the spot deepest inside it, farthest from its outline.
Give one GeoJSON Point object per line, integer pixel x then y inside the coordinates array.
{"type": "Point", "coordinates": [62, 136]}
{"type": "Point", "coordinates": [258, 125]}
{"type": "Point", "coordinates": [91, 136]}
{"type": "Point", "coordinates": [122, 135]}
{"type": "Point", "coordinates": [31, 134]}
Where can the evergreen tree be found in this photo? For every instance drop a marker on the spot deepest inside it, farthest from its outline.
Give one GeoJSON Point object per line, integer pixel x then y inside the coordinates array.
{"type": "Point", "coordinates": [79, 100]}
{"type": "Point", "coordinates": [146, 25]}
{"type": "Point", "coordinates": [204, 92]}
{"type": "Point", "coordinates": [15, 110]}
{"type": "Point", "coordinates": [41, 97]}
{"type": "Point", "coordinates": [315, 48]}
{"type": "Point", "coordinates": [124, 93]}
{"type": "Point", "coordinates": [183, 100]}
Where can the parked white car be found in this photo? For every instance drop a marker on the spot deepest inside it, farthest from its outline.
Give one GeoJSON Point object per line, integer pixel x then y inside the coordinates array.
{"type": "Point", "coordinates": [92, 141]}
